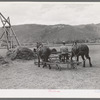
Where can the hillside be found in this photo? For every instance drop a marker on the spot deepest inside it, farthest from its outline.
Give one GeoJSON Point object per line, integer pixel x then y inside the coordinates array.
{"type": "Point", "coordinates": [32, 32]}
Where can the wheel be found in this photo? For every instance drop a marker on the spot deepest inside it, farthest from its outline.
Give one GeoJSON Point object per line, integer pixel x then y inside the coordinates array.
{"type": "Point", "coordinates": [49, 66]}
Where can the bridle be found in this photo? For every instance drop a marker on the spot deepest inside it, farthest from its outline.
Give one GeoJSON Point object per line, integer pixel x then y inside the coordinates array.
{"type": "Point", "coordinates": [75, 55]}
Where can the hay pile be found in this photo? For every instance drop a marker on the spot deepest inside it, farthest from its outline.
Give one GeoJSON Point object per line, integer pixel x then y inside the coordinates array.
{"type": "Point", "coordinates": [3, 60]}
{"type": "Point", "coordinates": [20, 53]}
{"type": "Point", "coordinates": [53, 51]}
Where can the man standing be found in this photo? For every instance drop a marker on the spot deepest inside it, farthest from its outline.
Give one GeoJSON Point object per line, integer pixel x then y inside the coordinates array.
{"type": "Point", "coordinates": [63, 52]}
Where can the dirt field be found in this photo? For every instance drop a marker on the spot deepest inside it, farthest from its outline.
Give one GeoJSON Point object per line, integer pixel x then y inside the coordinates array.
{"type": "Point", "coordinates": [25, 75]}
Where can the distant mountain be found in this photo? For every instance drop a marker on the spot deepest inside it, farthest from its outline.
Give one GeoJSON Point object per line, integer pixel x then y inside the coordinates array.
{"type": "Point", "coordinates": [30, 33]}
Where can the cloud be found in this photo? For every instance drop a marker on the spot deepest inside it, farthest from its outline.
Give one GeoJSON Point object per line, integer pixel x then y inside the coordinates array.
{"type": "Point", "coordinates": [51, 13]}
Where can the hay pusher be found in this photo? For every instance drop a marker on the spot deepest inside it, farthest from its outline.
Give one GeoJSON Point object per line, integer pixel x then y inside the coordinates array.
{"type": "Point", "coordinates": [54, 61]}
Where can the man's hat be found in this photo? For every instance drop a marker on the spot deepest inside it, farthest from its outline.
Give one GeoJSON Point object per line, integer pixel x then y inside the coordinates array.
{"type": "Point", "coordinates": [63, 42]}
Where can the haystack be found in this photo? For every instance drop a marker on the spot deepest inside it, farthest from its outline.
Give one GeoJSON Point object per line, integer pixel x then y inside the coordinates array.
{"type": "Point", "coordinates": [53, 51]}
{"type": "Point", "coordinates": [21, 53]}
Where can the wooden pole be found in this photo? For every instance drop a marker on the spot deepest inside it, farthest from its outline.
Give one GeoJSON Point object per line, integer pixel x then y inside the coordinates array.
{"type": "Point", "coordinates": [7, 40]}
{"type": "Point", "coordinates": [11, 42]}
{"type": "Point", "coordinates": [5, 19]}
{"type": "Point", "coordinates": [15, 37]}
{"type": "Point", "coordinates": [9, 37]}
{"type": "Point", "coordinates": [2, 35]}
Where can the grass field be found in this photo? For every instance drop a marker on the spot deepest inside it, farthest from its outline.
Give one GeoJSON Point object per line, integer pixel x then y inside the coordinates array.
{"type": "Point", "coordinates": [25, 75]}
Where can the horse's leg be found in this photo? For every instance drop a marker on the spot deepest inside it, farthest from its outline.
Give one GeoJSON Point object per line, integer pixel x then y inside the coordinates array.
{"type": "Point", "coordinates": [88, 57]}
{"type": "Point", "coordinates": [44, 64]}
{"type": "Point", "coordinates": [67, 58]}
{"type": "Point", "coordinates": [60, 57]}
{"type": "Point", "coordinates": [44, 60]}
{"type": "Point", "coordinates": [38, 61]}
{"type": "Point", "coordinates": [64, 57]}
{"type": "Point", "coordinates": [72, 56]}
{"type": "Point", "coordinates": [83, 60]}
{"type": "Point", "coordinates": [77, 60]}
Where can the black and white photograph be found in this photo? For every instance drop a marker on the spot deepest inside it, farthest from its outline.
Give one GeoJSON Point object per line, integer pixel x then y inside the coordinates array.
{"type": "Point", "coordinates": [49, 45]}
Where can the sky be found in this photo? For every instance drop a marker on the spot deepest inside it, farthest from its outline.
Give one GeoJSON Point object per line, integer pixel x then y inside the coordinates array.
{"type": "Point", "coordinates": [51, 13]}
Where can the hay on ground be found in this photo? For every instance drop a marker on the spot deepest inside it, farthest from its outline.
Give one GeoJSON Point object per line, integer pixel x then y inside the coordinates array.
{"type": "Point", "coordinates": [3, 60]}
{"type": "Point", "coordinates": [20, 53]}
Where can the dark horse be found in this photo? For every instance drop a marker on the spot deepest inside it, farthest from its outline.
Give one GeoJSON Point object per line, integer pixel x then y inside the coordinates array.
{"type": "Point", "coordinates": [81, 50]}
{"type": "Point", "coordinates": [43, 53]}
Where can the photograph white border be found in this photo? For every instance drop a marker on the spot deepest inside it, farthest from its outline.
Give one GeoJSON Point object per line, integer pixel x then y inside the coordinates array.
{"type": "Point", "coordinates": [49, 93]}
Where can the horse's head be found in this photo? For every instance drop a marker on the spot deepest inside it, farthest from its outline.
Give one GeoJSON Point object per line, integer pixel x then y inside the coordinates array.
{"type": "Point", "coordinates": [39, 47]}
{"type": "Point", "coordinates": [39, 44]}
{"type": "Point", "coordinates": [75, 50]}
{"type": "Point", "coordinates": [44, 52]}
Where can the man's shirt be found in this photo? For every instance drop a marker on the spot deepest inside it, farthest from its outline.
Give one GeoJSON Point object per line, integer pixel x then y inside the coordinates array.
{"type": "Point", "coordinates": [63, 49]}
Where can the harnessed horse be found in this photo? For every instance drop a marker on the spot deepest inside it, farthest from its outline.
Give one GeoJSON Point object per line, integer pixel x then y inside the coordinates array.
{"type": "Point", "coordinates": [43, 53]}
{"type": "Point", "coordinates": [81, 50]}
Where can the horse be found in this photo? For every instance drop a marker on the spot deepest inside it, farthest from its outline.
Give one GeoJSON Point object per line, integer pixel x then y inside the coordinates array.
{"type": "Point", "coordinates": [43, 53]}
{"type": "Point", "coordinates": [81, 50]}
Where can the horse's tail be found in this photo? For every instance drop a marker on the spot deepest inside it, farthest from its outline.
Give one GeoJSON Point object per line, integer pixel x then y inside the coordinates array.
{"type": "Point", "coordinates": [88, 51]}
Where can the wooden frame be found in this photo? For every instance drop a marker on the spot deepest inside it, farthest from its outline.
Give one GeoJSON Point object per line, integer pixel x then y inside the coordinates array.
{"type": "Point", "coordinates": [8, 32]}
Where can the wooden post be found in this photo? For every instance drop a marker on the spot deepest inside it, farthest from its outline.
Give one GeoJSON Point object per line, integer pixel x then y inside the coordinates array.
{"type": "Point", "coordinates": [11, 43]}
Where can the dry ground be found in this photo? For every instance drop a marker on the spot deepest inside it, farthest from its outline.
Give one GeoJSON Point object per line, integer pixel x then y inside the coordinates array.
{"type": "Point", "coordinates": [24, 74]}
